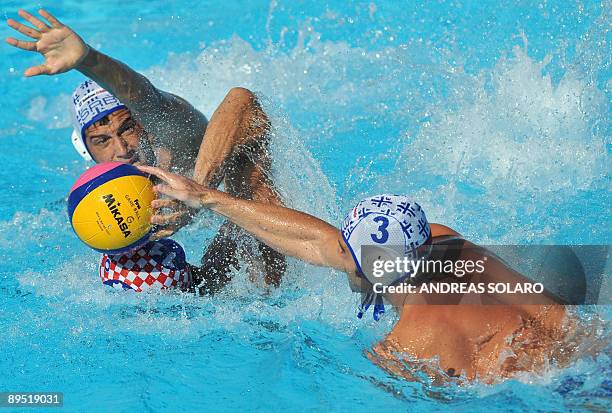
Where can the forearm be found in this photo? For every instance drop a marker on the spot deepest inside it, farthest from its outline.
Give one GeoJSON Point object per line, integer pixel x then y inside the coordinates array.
{"type": "Point", "coordinates": [127, 85]}
{"type": "Point", "coordinates": [170, 120]}
{"type": "Point", "coordinates": [239, 120]}
{"type": "Point", "coordinates": [288, 231]}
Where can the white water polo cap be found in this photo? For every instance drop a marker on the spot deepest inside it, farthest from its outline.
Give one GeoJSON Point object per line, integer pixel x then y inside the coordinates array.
{"type": "Point", "coordinates": [384, 228]}
{"type": "Point", "coordinates": [90, 103]}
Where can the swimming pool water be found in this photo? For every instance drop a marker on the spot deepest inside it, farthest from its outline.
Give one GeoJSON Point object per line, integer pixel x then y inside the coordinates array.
{"type": "Point", "coordinates": [495, 115]}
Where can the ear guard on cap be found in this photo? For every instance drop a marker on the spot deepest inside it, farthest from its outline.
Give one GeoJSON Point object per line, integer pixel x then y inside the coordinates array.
{"type": "Point", "coordinates": [80, 147]}
{"type": "Point", "coordinates": [373, 256]}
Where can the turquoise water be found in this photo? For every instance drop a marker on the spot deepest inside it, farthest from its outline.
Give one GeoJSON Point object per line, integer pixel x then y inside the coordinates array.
{"type": "Point", "coordinates": [494, 115]}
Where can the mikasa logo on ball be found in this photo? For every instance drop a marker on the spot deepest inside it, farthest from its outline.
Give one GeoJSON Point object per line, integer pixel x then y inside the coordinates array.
{"type": "Point", "coordinates": [112, 207]}
{"type": "Point", "coordinates": [112, 193]}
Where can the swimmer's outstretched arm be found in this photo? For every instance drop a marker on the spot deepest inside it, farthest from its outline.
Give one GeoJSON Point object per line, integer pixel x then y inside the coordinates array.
{"type": "Point", "coordinates": [162, 114]}
{"type": "Point", "coordinates": [288, 231]}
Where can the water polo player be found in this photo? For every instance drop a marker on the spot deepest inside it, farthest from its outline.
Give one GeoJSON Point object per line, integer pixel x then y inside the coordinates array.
{"type": "Point", "coordinates": [120, 116]}
{"type": "Point", "coordinates": [478, 341]}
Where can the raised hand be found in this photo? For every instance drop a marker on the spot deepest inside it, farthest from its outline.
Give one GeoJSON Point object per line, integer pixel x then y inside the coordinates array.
{"type": "Point", "coordinates": [61, 47]}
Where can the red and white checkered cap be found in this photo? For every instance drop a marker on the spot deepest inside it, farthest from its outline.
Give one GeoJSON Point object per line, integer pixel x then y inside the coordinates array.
{"type": "Point", "coordinates": [157, 265]}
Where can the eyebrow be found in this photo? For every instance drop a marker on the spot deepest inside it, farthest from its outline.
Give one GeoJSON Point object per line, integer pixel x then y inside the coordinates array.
{"type": "Point", "coordinates": [125, 125]}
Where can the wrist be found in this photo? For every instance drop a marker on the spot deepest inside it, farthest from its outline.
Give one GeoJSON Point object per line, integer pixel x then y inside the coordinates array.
{"type": "Point", "coordinates": [214, 200]}
{"type": "Point", "coordinates": [208, 199]}
{"type": "Point", "coordinates": [88, 59]}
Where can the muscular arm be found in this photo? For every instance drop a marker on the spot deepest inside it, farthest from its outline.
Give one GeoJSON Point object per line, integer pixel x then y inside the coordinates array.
{"type": "Point", "coordinates": [239, 120]}
{"type": "Point", "coordinates": [288, 231]}
{"type": "Point", "coordinates": [171, 120]}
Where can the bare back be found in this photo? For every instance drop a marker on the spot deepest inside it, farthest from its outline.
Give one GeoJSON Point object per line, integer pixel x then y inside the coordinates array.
{"type": "Point", "coordinates": [486, 342]}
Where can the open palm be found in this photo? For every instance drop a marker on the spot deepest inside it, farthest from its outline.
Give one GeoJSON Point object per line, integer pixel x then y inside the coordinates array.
{"type": "Point", "coordinates": [61, 47]}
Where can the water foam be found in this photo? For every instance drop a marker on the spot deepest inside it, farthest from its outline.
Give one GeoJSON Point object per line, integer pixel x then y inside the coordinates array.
{"type": "Point", "coordinates": [508, 162]}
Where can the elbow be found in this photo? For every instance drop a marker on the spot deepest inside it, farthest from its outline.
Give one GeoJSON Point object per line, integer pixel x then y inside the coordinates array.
{"type": "Point", "coordinates": [240, 94]}
{"type": "Point", "coordinates": [330, 252]}
{"type": "Point", "coordinates": [253, 118]}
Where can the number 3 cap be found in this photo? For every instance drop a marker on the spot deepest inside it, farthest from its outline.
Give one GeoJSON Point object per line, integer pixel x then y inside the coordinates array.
{"type": "Point", "coordinates": [383, 227]}
{"type": "Point", "coordinates": [389, 227]}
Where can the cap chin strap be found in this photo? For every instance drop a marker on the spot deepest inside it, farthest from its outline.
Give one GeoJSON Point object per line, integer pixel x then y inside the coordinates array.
{"type": "Point", "coordinates": [80, 147]}
{"type": "Point", "coordinates": [377, 253]}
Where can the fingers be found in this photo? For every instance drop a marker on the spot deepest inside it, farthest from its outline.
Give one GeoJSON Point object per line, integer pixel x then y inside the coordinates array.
{"type": "Point", "coordinates": [163, 189]}
{"type": "Point", "coordinates": [164, 233]}
{"type": "Point", "coordinates": [23, 29]}
{"type": "Point", "coordinates": [168, 191]}
{"type": "Point", "coordinates": [165, 203]}
{"type": "Point", "coordinates": [168, 224]}
{"type": "Point", "coordinates": [21, 44]}
{"type": "Point", "coordinates": [50, 18]}
{"type": "Point", "coordinates": [37, 70]}
{"type": "Point", "coordinates": [168, 218]}
{"type": "Point", "coordinates": [155, 171]}
{"type": "Point", "coordinates": [39, 24]}
{"type": "Point", "coordinates": [191, 199]}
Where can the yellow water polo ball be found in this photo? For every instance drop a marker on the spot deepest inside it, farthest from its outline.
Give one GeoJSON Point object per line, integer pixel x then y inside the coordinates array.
{"type": "Point", "coordinates": [110, 207]}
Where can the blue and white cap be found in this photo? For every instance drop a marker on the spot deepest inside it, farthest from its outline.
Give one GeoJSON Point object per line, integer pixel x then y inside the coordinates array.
{"type": "Point", "coordinates": [90, 103]}
{"type": "Point", "coordinates": [390, 226]}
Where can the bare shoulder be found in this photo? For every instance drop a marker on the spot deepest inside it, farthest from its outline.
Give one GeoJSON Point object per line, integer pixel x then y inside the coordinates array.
{"type": "Point", "coordinates": [180, 128]}
{"type": "Point", "coordinates": [439, 230]}
{"type": "Point", "coordinates": [183, 105]}
{"type": "Point", "coordinates": [240, 93]}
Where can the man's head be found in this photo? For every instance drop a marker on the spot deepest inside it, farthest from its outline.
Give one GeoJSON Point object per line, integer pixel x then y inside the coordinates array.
{"type": "Point", "coordinates": [115, 137]}
{"type": "Point", "coordinates": [156, 265]}
{"type": "Point", "coordinates": [104, 128]}
{"type": "Point", "coordinates": [386, 227]}
{"type": "Point", "coordinates": [390, 230]}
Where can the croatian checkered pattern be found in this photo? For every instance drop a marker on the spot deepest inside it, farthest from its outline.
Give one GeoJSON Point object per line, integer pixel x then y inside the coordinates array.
{"type": "Point", "coordinates": [149, 267]}
{"type": "Point", "coordinates": [386, 220]}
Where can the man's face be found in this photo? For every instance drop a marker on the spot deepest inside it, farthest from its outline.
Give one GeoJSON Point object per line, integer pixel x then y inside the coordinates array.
{"type": "Point", "coordinates": [117, 137]}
